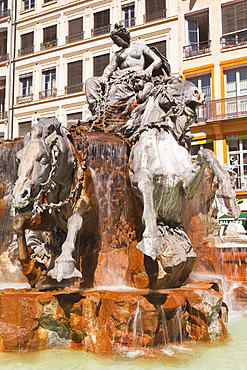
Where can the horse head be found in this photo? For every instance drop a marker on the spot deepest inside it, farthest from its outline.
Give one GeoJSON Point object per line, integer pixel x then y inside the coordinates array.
{"type": "Point", "coordinates": [45, 160]}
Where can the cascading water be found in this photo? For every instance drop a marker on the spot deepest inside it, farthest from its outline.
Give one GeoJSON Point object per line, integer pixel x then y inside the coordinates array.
{"type": "Point", "coordinates": [108, 161]}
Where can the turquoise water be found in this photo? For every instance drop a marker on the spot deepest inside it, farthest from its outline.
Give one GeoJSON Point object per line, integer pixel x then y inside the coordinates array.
{"type": "Point", "coordinates": [231, 354]}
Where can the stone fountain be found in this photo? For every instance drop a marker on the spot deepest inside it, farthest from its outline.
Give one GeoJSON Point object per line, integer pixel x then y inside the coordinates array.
{"type": "Point", "coordinates": [101, 214]}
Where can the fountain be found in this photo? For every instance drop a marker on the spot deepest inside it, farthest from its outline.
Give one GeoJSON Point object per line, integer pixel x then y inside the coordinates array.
{"type": "Point", "coordinates": [97, 213]}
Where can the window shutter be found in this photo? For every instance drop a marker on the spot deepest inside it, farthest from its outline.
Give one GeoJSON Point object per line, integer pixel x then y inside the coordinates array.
{"type": "Point", "coordinates": [3, 42]}
{"type": "Point", "coordinates": [102, 19]}
{"type": "Point", "coordinates": [50, 33]}
{"type": "Point", "coordinates": [99, 64]}
{"type": "Point", "coordinates": [27, 40]}
{"type": "Point", "coordinates": [234, 17]}
{"type": "Point", "coordinates": [74, 116]}
{"type": "Point", "coordinates": [24, 128]}
{"type": "Point", "coordinates": [75, 26]}
{"type": "Point", "coordinates": [161, 46]}
{"type": "Point", "coordinates": [75, 73]}
{"type": "Point", "coordinates": [153, 6]}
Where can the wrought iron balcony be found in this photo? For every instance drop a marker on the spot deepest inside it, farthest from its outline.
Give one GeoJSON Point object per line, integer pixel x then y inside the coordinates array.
{"type": "Point", "coordinates": [197, 49]}
{"type": "Point", "coordinates": [227, 108]}
{"type": "Point", "coordinates": [130, 22]}
{"type": "Point", "coordinates": [74, 88]}
{"type": "Point", "coordinates": [48, 44]}
{"type": "Point", "coordinates": [232, 40]}
{"type": "Point", "coordinates": [49, 93]}
{"type": "Point", "coordinates": [101, 30]}
{"type": "Point", "coordinates": [5, 13]}
{"type": "Point", "coordinates": [150, 17]}
{"type": "Point", "coordinates": [24, 98]}
{"type": "Point", "coordinates": [74, 37]}
{"type": "Point", "coordinates": [25, 51]}
{"type": "Point", "coordinates": [4, 57]}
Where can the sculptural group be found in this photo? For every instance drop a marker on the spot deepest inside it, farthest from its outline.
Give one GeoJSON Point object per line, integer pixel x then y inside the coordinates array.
{"type": "Point", "coordinates": [135, 99]}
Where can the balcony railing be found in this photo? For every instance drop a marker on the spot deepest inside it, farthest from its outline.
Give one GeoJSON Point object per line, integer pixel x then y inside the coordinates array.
{"type": "Point", "coordinates": [25, 51]}
{"type": "Point", "coordinates": [4, 57]}
{"type": "Point", "coordinates": [3, 115]}
{"type": "Point", "coordinates": [73, 88]}
{"type": "Point", "coordinates": [101, 30]}
{"type": "Point", "coordinates": [130, 22]}
{"type": "Point", "coordinates": [49, 93]}
{"type": "Point", "coordinates": [74, 37]}
{"type": "Point", "coordinates": [197, 49]}
{"type": "Point", "coordinates": [227, 108]}
{"type": "Point", "coordinates": [150, 17]}
{"type": "Point", "coordinates": [202, 113]}
{"type": "Point", "coordinates": [4, 13]}
{"type": "Point", "coordinates": [24, 98]}
{"type": "Point", "coordinates": [232, 40]}
{"type": "Point", "coordinates": [48, 44]}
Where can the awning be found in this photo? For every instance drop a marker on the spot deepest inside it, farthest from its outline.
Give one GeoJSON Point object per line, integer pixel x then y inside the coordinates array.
{"type": "Point", "coordinates": [225, 220]}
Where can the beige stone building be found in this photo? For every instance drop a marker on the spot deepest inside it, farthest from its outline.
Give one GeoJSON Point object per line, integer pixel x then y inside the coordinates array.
{"type": "Point", "coordinates": [57, 44]}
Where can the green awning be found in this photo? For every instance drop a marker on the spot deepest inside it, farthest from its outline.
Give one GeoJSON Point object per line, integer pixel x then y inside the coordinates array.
{"type": "Point", "coordinates": [225, 220]}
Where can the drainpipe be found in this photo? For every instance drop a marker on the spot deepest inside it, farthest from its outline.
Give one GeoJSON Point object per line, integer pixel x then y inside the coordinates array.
{"type": "Point", "coordinates": [12, 70]}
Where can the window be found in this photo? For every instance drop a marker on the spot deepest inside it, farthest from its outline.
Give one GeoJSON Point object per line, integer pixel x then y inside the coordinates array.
{"type": "Point", "coordinates": [204, 85]}
{"type": "Point", "coordinates": [128, 15]}
{"type": "Point", "coordinates": [236, 91]}
{"type": "Point", "coordinates": [49, 80]}
{"type": "Point", "coordinates": [155, 9]}
{"type": "Point", "coordinates": [26, 82]}
{"type": "Point", "coordinates": [99, 64]}
{"type": "Point", "coordinates": [28, 4]}
{"type": "Point", "coordinates": [237, 152]}
{"type": "Point", "coordinates": [3, 5]}
{"type": "Point", "coordinates": [198, 34]}
{"type": "Point", "coordinates": [3, 46]}
{"type": "Point", "coordinates": [74, 77]}
{"type": "Point", "coordinates": [234, 24]}
{"type": "Point", "coordinates": [75, 30]}
{"type": "Point", "coordinates": [201, 144]}
{"type": "Point", "coordinates": [24, 127]}
{"type": "Point", "coordinates": [49, 37]}
{"type": "Point", "coordinates": [73, 118]}
{"type": "Point", "coordinates": [27, 44]}
{"type": "Point", "coordinates": [101, 23]}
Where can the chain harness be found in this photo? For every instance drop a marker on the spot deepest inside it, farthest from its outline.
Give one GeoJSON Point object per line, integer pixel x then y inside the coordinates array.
{"type": "Point", "coordinates": [47, 186]}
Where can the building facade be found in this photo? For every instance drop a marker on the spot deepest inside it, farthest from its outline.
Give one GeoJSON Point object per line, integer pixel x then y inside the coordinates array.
{"type": "Point", "coordinates": [57, 44]}
{"type": "Point", "coordinates": [214, 42]}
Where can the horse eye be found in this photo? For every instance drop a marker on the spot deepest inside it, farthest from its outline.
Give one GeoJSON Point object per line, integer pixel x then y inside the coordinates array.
{"type": "Point", "coordinates": [44, 160]}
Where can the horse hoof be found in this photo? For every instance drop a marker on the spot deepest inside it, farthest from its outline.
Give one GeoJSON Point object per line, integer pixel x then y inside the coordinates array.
{"type": "Point", "coordinates": [64, 270]}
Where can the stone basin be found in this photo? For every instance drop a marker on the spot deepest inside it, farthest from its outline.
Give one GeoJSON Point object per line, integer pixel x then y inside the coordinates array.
{"type": "Point", "coordinates": [104, 320]}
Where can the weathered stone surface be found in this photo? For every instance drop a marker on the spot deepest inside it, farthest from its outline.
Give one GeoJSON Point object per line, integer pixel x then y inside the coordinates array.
{"type": "Point", "coordinates": [102, 321]}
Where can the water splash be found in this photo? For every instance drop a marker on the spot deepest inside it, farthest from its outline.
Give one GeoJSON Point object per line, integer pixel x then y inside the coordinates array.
{"type": "Point", "coordinates": [165, 333]}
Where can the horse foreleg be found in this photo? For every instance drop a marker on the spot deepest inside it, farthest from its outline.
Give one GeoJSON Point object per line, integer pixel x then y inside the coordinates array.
{"type": "Point", "coordinates": [64, 267]}
{"type": "Point", "coordinates": [29, 267]}
{"type": "Point", "coordinates": [152, 243]}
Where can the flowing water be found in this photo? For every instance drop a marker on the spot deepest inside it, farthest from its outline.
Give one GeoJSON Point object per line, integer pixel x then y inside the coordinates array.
{"type": "Point", "coordinates": [229, 355]}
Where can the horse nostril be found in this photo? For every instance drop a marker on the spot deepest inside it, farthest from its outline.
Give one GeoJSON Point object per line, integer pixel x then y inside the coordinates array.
{"type": "Point", "coordinates": [24, 193]}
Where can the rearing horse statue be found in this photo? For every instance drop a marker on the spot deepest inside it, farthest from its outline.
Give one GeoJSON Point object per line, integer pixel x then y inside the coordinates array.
{"type": "Point", "coordinates": [50, 189]}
